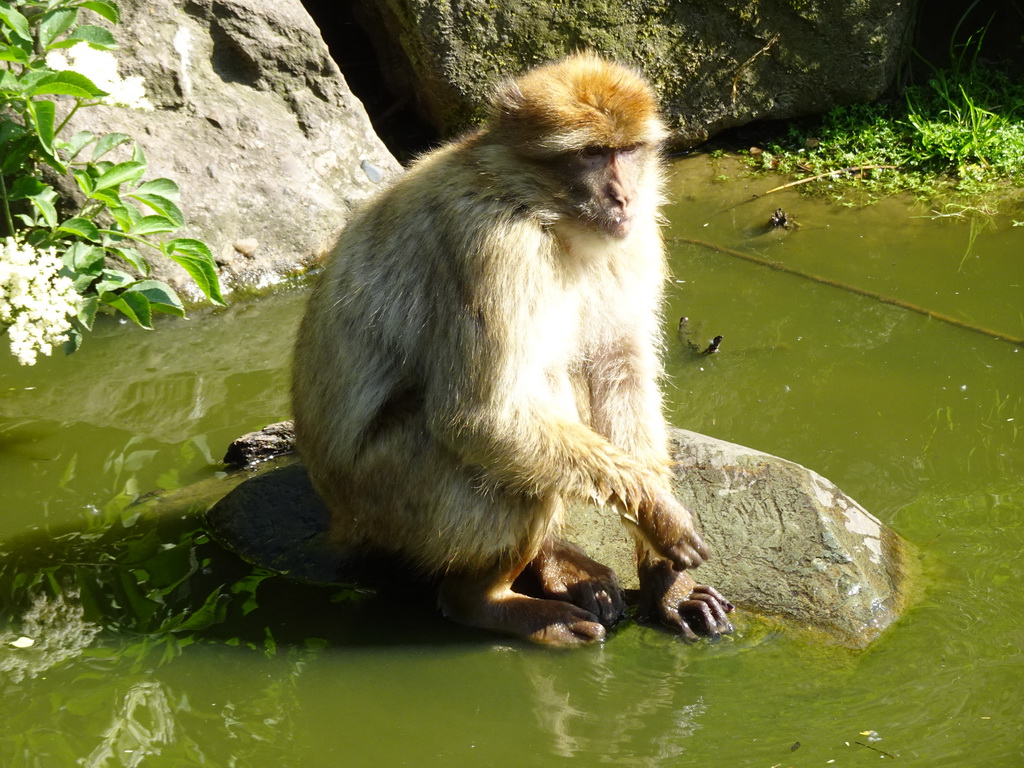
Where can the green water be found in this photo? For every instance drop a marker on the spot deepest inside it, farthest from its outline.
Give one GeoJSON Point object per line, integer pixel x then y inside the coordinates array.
{"type": "Point", "coordinates": [918, 420]}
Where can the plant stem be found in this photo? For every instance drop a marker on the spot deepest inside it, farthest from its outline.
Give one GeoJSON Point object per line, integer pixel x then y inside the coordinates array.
{"type": "Point", "coordinates": [59, 128]}
{"type": "Point", "coordinates": [8, 221]}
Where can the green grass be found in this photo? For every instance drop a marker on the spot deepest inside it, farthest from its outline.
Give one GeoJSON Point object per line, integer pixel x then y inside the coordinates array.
{"type": "Point", "coordinates": [959, 133]}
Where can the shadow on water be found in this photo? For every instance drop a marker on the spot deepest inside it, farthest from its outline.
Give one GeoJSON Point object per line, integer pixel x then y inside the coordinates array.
{"type": "Point", "coordinates": [163, 582]}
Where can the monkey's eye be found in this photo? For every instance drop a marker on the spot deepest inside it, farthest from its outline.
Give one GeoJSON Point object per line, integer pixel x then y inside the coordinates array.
{"type": "Point", "coordinates": [594, 151]}
{"type": "Point", "coordinates": [628, 150]}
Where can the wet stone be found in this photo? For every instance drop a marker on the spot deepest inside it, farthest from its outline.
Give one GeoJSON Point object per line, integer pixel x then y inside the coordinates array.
{"type": "Point", "coordinates": [786, 542]}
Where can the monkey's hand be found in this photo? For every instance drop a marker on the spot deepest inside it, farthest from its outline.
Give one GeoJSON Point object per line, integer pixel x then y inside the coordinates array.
{"type": "Point", "coordinates": [674, 599]}
{"type": "Point", "coordinates": [667, 528]}
{"type": "Point", "coordinates": [566, 573]}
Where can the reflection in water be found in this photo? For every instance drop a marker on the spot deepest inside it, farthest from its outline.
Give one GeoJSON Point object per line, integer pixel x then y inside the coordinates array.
{"type": "Point", "coordinates": [142, 726]}
{"type": "Point", "coordinates": [51, 631]}
{"type": "Point", "coordinates": [629, 710]}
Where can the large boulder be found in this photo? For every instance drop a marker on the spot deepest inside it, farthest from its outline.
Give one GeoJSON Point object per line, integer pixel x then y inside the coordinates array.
{"type": "Point", "coordinates": [714, 65]}
{"type": "Point", "coordinates": [787, 543]}
{"type": "Point", "coordinates": [256, 124]}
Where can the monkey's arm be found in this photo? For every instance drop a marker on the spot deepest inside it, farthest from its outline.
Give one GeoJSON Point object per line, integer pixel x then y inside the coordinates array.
{"type": "Point", "coordinates": [489, 401]}
{"type": "Point", "coordinates": [626, 403]}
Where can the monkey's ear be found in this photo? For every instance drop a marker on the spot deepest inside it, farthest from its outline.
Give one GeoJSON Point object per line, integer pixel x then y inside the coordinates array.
{"type": "Point", "coordinates": [507, 100]}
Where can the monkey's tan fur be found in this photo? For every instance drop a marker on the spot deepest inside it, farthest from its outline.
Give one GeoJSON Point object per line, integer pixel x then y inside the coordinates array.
{"type": "Point", "coordinates": [475, 355]}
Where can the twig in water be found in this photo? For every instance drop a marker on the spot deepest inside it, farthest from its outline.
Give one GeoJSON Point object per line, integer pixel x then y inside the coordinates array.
{"type": "Point", "coordinates": [879, 751]}
{"type": "Point", "coordinates": [853, 289]}
{"type": "Point", "coordinates": [809, 179]}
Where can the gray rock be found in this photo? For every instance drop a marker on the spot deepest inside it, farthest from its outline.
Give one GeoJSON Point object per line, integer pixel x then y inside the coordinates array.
{"type": "Point", "coordinates": [255, 123]}
{"type": "Point", "coordinates": [715, 65]}
{"type": "Point", "coordinates": [251, 449]}
{"type": "Point", "coordinates": [787, 543]}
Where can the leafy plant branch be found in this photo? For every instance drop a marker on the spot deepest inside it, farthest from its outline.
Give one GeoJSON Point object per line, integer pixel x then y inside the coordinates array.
{"type": "Point", "coordinates": [46, 57]}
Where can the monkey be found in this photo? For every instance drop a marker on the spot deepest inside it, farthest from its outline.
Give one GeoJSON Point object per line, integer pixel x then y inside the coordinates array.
{"type": "Point", "coordinates": [482, 349]}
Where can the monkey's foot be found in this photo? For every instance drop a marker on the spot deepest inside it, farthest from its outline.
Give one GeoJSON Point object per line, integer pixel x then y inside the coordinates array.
{"type": "Point", "coordinates": [676, 600]}
{"type": "Point", "coordinates": [566, 573]}
{"type": "Point", "coordinates": [549, 622]}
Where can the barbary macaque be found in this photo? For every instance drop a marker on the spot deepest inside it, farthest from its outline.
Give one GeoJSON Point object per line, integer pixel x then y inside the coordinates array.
{"type": "Point", "coordinates": [482, 350]}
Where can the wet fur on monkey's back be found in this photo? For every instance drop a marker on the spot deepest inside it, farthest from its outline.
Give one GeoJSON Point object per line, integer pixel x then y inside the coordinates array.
{"type": "Point", "coordinates": [461, 302]}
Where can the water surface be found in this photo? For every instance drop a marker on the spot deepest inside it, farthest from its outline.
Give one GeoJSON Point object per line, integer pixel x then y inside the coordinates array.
{"type": "Point", "coordinates": [918, 420]}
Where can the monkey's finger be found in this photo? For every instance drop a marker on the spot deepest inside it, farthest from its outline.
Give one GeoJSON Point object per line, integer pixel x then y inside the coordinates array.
{"type": "Point", "coordinates": [683, 556]}
{"type": "Point", "coordinates": [607, 603]}
{"type": "Point", "coordinates": [611, 606]}
{"type": "Point", "coordinates": [714, 593]}
{"type": "Point", "coordinates": [703, 549]}
{"type": "Point", "coordinates": [718, 610]}
{"type": "Point", "coordinates": [700, 610]}
{"type": "Point", "coordinates": [672, 618]}
{"type": "Point", "coordinates": [573, 626]}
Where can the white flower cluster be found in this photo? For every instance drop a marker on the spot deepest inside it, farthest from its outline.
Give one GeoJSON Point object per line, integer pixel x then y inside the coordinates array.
{"type": "Point", "coordinates": [101, 67]}
{"type": "Point", "coordinates": [35, 301]}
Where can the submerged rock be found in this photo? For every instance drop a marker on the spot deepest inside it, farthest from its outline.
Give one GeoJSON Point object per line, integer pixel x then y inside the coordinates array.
{"type": "Point", "coordinates": [786, 542]}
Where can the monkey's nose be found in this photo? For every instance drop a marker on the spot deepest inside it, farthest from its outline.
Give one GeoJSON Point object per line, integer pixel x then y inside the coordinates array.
{"type": "Point", "coordinates": [617, 195]}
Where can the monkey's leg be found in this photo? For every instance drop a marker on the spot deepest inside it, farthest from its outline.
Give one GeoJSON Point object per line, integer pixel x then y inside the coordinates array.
{"type": "Point", "coordinates": [485, 599]}
{"type": "Point", "coordinates": [564, 572]}
{"type": "Point", "coordinates": [673, 598]}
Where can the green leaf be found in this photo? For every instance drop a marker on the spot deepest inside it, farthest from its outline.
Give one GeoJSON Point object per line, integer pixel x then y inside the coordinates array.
{"type": "Point", "coordinates": [152, 225]}
{"type": "Point", "coordinates": [13, 53]}
{"type": "Point", "coordinates": [82, 257]}
{"type": "Point", "coordinates": [119, 174]}
{"type": "Point", "coordinates": [10, 130]}
{"type": "Point", "coordinates": [17, 22]}
{"type": "Point", "coordinates": [124, 215]}
{"type": "Point", "coordinates": [212, 611]}
{"type": "Point", "coordinates": [74, 339]}
{"type": "Point", "coordinates": [97, 37]}
{"type": "Point", "coordinates": [163, 187]}
{"type": "Point", "coordinates": [108, 142]}
{"type": "Point", "coordinates": [87, 308]}
{"type": "Point", "coordinates": [77, 143]}
{"type": "Point", "coordinates": [134, 258]}
{"type": "Point", "coordinates": [114, 280]}
{"type": "Point", "coordinates": [84, 283]}
{"type": "Point", "coordinates": [195, 258]}
{"type": "Point", "coordinates": [9, 83]}
{"type": "Point", "coordinates": [44, 203]}
{"type": "Point", "coordinates": [55, 23]}
{"type": "Point", "coordinates": [17, 154]}
{"type": "Point", "coordinates": [162, 297]}
{"type": "Point", "coordinates": [67, 83]}
{"type": "Point", "coordinates": [43, 115]}
{"type": "Point", "coordinates": [134, 600]}
{"type": "Point", "coordinates": [134, 306]}
{"type": "Point", "coordinates": [163, 206]}
{"type": "Point", "coordinates": [25, 186]}
{"type": "Point", "coordinates": [108, 11]}
{"type": "Point", "coordinates": [108, 197]}
{"type": "Point", "coordinates": [85, 182]}
{"type": "Point", "coordinates": [82, 228]}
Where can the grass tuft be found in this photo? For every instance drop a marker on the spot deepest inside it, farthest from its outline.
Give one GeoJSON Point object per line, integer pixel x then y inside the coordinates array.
{"type": "Point", "coordinates": [961, 132]}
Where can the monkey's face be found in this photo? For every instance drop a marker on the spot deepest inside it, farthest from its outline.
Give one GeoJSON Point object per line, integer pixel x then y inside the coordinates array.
{"type": "Point", "coordinates": [608, 188]}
